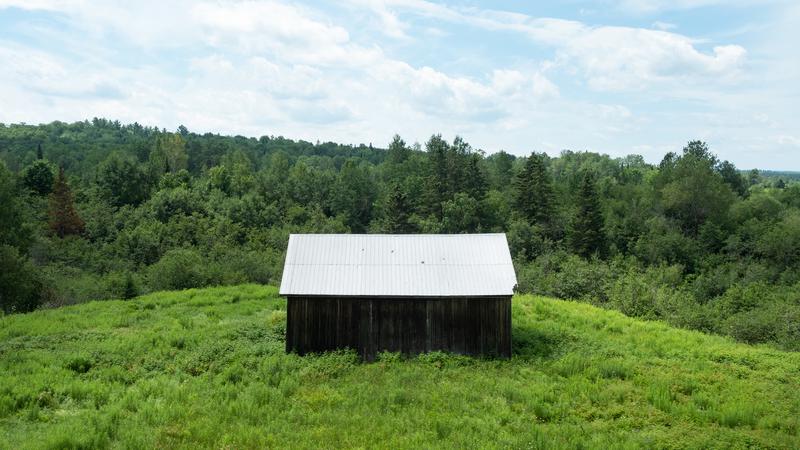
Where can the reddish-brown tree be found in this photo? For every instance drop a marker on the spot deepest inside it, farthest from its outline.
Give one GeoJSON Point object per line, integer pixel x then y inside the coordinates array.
{"type": "Point", "coordinates": [64, 220]}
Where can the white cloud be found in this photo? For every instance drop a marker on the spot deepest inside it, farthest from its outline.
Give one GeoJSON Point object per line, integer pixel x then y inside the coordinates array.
{"type": "Point", "coordinates": [389, 24]}
{"type": "Point", "coordinates": [271, 67]}
{"type": "Point", "coordinates": [610, 57]}
{"type": "Point", "coordinates": [261, 66]}
{"type": "Point", "coordinates": [652, 6]}
{"type": "Point", "coordinates": [267, 26]}
{"type": "Point", "coordinates": [664, 26]}
{"type": "Point", "coordinates": [787, 140]}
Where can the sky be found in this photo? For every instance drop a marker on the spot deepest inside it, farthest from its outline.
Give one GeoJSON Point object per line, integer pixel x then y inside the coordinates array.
{"type": "Point", "coordinates": [611, 76]}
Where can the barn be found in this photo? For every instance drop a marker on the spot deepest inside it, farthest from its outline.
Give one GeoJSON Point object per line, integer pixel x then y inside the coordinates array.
{"type": "Point", "coordinates": [409, 293]}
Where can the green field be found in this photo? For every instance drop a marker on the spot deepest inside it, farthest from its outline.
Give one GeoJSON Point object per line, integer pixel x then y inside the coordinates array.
{"type": "Point", "coordinates": [206, 368]}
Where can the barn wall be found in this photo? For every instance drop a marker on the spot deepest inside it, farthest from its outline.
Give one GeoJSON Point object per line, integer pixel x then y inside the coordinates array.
{"type": "Point", "coordinates": [466, 325]}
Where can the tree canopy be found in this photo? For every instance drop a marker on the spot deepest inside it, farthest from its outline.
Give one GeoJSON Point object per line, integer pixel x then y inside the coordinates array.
{"type": "Point", "coordinates": [133, 209]}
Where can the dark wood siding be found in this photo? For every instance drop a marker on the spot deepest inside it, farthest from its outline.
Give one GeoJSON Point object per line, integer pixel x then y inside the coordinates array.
{"type": "Point", "coordinates": [467, 325]}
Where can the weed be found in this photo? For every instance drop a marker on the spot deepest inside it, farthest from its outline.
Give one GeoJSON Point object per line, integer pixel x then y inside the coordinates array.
{"type": "Point", "coordinates": [660, 396]}
{"type": "Point", "coordinates": [79, 364]}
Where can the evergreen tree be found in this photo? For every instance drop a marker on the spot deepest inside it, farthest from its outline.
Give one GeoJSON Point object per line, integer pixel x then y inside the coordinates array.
{"type": "Point", "coordinates": [39, 152]}
{"type": "Point", "coordinates": [534, 191]}
{"type": "Point", "coordinates": [730, 174]}
{"type": "Point", "coordinates": [475, 184]}
{"type": "Point", "coordinates": [438, 181]}
{"type": "Point", "coordinates": [587, 236]}
{"type": "Point", "coordinates": [353, 195]}
{"type": "Point", "coordinates": [64, 220]}
{"type": "Point", "coordinates": [398, 212]}
{"type": "Point", "coordinates": [458, 155]}
{"type": "Point", "coordinates": [398, 150]}
{"type": "Point", "coordinates": [754, 177]}
{"type": "Point", "coordinates": [502, 165]}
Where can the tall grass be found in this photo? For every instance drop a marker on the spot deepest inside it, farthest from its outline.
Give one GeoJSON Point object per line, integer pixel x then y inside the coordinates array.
{"type": "Point", "coordinates": [206, 368]}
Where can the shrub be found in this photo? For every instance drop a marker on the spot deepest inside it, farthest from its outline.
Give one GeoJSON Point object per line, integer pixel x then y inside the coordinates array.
{"type": "Point", "coordinates": [21, 288]}
{"type": "Point", "coordinates": [179, 269]}
{"type": "Point", "coordinates": [122, 285]}
{"type": "Point", "coordinates": [565, 276]}
{"type": "Point", "coordinates": [168, 203]}
{"type": "Point", "coordinates": [754, 326]}
{"type": "Point", "coordinates": [79, 364]}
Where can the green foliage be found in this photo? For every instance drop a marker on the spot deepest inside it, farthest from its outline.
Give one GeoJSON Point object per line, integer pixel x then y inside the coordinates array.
{"type": "Point", "coordinates": [14, 230]}
{"type": "Point", "coordinates": [169, 154]}
{"type": "Point", "coordinates": [525, 241]}
{"type": "Point", "coordinates": [398, 152]}
{"type": "Point", "coordinates": [180, 269]}
{"type": "Point", "coordinates": [460, 215]}
{"type": "Point", "coordinates": [21, 287]}
{"type": "Point", "coordinates": [207, 369]}
{"type": "Point", "coordinates": [122, 181]}
{"type": "Point", "coordinates": [693, 192]}
{"type": "Point", "coordinates": [172, 202]}
{"type": "Point", "coordinates": [38, 177]}
{"type": "Point", "coordinates": [682, 241]}
{"type": "Point", "coordinates": [533, 191]}
{"type": "Point", "coordinates": [398, 212]}
{"type": "Point", "coordinates": [353, 195]}
{"type": "Point", "coordinates": [586, 234]}
{"type": "Point", "coordinates": [781, 244]}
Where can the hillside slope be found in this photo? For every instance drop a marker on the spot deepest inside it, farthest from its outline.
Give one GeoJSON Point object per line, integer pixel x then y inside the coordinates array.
{"type": "Point", "coordinates": [206, 368]}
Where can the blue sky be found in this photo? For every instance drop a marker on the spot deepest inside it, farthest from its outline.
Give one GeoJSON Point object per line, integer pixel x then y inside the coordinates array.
{"type": "Point", "coordinates": [612, 76]}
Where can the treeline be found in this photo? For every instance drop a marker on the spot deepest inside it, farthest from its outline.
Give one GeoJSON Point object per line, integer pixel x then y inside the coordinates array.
{"type": "Point", "coordinates": [95, 210]}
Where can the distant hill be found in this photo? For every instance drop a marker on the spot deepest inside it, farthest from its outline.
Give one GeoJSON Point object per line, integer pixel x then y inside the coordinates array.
{"type": "Point", "coordinates": [206, 369]}
{"type": "Point", "coordinates": [784, 174]}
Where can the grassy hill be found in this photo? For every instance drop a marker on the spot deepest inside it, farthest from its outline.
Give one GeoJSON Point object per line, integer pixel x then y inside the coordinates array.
{"type": "Point", "coordinates": [206, 368]}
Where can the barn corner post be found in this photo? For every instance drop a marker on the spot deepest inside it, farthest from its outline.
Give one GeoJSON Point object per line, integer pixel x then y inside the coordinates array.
{"type": "Point", "coordinates": [398, 293]}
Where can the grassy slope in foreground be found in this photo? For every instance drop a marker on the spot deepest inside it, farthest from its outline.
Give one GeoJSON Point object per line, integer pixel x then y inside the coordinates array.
{"type": "Point", "coordinates": [206, 368]}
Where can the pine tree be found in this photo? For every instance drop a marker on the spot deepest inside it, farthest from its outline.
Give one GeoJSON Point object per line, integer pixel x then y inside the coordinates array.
{"type": "Point", "coordinates": [64, 220]}
{"type": "Point", "coordinates": [39, 152]}
{"type": "Point", "coordinates": [438, 179]}
{"type": "Point", "coordinates": [476, 185]}
{"type": "Point", "coordinates": [398, 150]}
{"type": "Point", "coordinates": [398, 212]}
{"type": "Point", "coordinates": [534, 191]}
{"type": "Point", "coordinates": [587, 236]}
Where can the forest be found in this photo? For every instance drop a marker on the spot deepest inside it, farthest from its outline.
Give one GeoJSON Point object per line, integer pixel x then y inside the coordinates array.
{"type": "Point", "coordinates": [99, 210]}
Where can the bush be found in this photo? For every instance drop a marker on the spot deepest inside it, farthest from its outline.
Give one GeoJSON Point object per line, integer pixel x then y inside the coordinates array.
{"type": "Point", "coordinates": [651, 294]}
{"type": "Point", "coordinates": [122, 285]}
{"type": "Point", "coordinates": [565, 276]}
{"type": "Point", "coordinates": [21, 288]}
{"type": "Point", "coordinates": [752, 327]}
{"type": "Point", "coordinates": [255, 266]}
{"type": "Point", "coordinates": [168, 203]}
{"type": "Point", "coordinates": [143, 244]}
{"type": "Point", "coordinates": [179, 269]}
{"type": "Point", "coordinates": [74, 285]}
{"type": "Point", "coordinates": [742, 298]}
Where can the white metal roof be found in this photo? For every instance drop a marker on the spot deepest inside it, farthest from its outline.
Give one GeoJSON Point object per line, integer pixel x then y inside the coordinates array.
{"type": "Point", "coordinates": [413, 265]}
